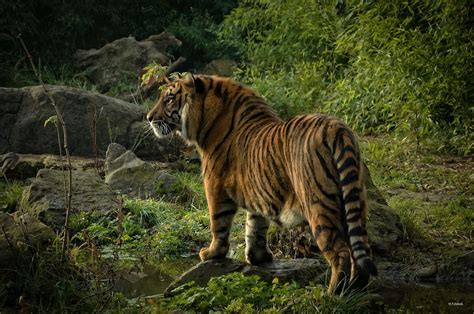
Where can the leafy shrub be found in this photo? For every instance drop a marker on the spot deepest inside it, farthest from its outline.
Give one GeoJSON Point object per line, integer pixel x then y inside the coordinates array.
{"type": "Point", "coordinates": [380, 65]}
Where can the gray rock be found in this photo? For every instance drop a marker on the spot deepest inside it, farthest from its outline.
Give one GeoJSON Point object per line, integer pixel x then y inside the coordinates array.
{"type": "Point", "coordinates": [24, 131]}
{"type": "Point", "coordinates": [383, 226]}
{"type": "Point", "coordinates": [427, 272]}
{"type": "Point", "coordinates": [132, 176]}
{"type": "Point", "coordinates": [45, 198]}
{"type": "Point", "coordinates": [23, 112]}
{"type": "Point", "coordinates": [122, 60]}
{"type": "Point", "coordinates": [221, 67]}
{"type": "Point", "coordinates": [302, 271]}
{"type": "Point", "coordinates": [384, 229]}
{"type": "Point", "coordinates": [467, 260]}
{"type": "Point", "coordinates": [18, 233]}
{"type": "Point", "coordinates": [29, 165]}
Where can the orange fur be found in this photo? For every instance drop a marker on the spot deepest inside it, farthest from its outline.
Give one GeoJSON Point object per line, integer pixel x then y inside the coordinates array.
{"type": "Point", "coordinates": [303, 170]}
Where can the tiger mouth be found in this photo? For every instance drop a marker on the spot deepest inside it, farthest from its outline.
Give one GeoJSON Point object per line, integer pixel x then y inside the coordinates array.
{"type": "Point", "coordinates": [162, 128]}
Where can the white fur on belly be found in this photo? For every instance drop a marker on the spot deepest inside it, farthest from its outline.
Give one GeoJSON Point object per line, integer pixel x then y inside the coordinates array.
{"type": "Point", "coordinates": [291, 218]}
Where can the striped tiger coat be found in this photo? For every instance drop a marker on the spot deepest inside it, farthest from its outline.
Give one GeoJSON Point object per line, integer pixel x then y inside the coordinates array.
{"type": "Point", "coordinates": [303, 170]}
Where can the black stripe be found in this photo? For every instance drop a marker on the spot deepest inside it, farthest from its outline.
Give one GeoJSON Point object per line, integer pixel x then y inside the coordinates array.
{"type": "Point", "coordinates": [358, 245]}
{"type": "Point", "coordinates": [224, 214]}
{"type": "Point", "coordinates": [325, 137]}
{"type": "Point", "coordinates": [353, 211]}
{"type": "Point", "coordinates": [320, 229]}
{"type": "Point", "coordinates": [224, 229]}
{"type": "Point", "coordinates": [349, 162]}
{"type": "Point", "coordinates": [354, 218]}
{"type": "Point", "coordinates": [350, 178]}
{"type": "Point", "coordinates": [332, 197]}
{"type": "Point", "coordinates": [352, 196]}
{"type": "Point", "coordinates": [199, 85]}
{"type": "Point", "coordinates": [225, 96]}
{"type": "Point", "coordinates": [248, 109]}
{"type": "Point", "coordinates": [339, 133]}
{"type": "Point", "coordinates": [211, 127]}
{"type": "Point", "coordinates": [361, 256]}
{"type": "Point", "coordinates": [324, 165]}
{"type": "Point", "coordinates": [329, 208]}
{"type": "Point", "coordinates": [261, 237]}
{"type": "Point", "coordinates": [211, 83]}
{"type": "Point", "coordinates": [218, 90]}
{"type": "Point", "coordinates": [348, 148]}
{"type": "Point", "coordinates": [357, 231]}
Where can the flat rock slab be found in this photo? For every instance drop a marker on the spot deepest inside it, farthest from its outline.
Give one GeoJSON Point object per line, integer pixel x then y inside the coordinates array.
{"type": "Point", "coordinates": [302, 271]}
{"type": "Point", "coordinates": [45, 199]}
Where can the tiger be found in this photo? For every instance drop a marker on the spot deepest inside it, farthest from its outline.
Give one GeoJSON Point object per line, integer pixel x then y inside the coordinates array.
{"type": "Point", "coordinates": [304, 170]}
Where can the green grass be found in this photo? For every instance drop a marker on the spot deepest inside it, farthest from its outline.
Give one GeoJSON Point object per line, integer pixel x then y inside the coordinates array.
{"type": "Point", "coordinates": [10, 195]}
{"type": "Point", "coordinates": [432, 193]}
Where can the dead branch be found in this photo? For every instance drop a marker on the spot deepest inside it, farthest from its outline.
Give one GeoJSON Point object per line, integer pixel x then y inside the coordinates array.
{"type": "Point", "coordinates": [146, 91]}
{"type": "Point", "coordinates": [68, 193]}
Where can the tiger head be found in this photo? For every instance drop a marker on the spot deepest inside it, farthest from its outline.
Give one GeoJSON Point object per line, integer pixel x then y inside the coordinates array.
{"type": "Point", "coordinates": [170, 112]}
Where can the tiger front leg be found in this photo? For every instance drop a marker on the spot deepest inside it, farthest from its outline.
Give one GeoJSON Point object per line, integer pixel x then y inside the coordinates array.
{"type": "Point", "coordinates": [256, 246]}
{"type": "Point", "coordinates": [221, 213]}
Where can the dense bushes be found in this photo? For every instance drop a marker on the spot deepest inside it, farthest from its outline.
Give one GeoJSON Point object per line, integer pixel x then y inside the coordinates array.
{"type": "Point", "coordinates": [55, 29]}
{"type": "Point", "coordinates": [401, 66]}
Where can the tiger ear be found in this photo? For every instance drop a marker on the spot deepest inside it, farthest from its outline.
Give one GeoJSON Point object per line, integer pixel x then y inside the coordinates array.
{"type": "Point", "coordinates": [193, 84]}
{"type": "Point", "coordinates": [188, 82]}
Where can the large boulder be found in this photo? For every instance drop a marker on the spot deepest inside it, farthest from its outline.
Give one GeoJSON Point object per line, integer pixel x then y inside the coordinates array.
{"type": "Point", "coordinates": [23, 112]}
{"type": "Point", "coordinates": [45, 197]}
{"type": "Point", "coordinates": [124, 59]}
{"type": "Point", "coordinates": [384, 226]}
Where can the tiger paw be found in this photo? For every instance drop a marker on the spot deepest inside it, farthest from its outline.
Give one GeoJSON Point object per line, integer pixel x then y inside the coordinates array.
{"type": "Point", "coordinates": [208, 253]}
{"type": "Point", "coordinates": [258, 257]}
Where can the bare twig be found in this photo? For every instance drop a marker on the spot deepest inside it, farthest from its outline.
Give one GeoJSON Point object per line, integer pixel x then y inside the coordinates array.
{"type": "Point", "coordinates": [147, 91]}
{"type": "Point", "coordinates": [119, 220]}
{"type": "Point", "coordinates": [93, 131]}
{"type": "Point", "coordinates": [68, 193]}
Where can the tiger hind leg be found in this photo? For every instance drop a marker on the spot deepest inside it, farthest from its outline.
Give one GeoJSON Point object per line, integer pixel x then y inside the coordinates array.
{"type": "Point", "coordinates": [335, 250]}
{"type": "Point", "coordinates": [256, 246]}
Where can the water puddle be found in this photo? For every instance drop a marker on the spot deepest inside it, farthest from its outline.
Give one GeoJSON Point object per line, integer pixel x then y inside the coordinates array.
{"type": "Point", "coordinates": [152, 280]}
{"type": "Point", "coordinates": [404, 297]}
{"type": "Point", "coordinates": [429, 298]}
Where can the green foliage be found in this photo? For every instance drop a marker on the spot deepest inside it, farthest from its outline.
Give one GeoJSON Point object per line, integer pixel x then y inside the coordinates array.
{"type": "Point", "coordinates": [54, 30]}
{"type": "Point", "coordinates": [236, 293]}
{"type": "Point", "coordinates": [10, 195]}
{"type": "Point", "coordinates": [380, 65]}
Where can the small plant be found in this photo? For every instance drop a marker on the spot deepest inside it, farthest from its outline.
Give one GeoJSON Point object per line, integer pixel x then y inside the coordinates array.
{"type": "Point", "coordinates": [10, 195]}
{"type": "Point", "coordinates": [236, 293]}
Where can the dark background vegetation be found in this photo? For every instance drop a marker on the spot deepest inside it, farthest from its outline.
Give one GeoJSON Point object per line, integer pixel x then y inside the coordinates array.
{"type": "Point", "coordinates": [383, 66]}
{"type": "Point", "coordinates": [55, 29]}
